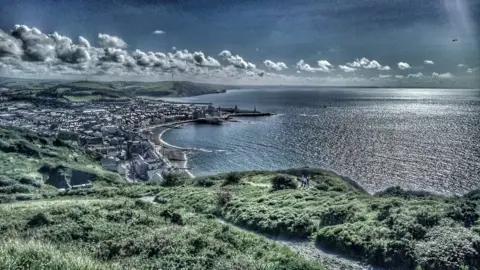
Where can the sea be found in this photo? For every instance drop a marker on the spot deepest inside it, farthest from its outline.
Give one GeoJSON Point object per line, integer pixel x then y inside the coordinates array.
{"type": "Point", "coordinates": [418, 139]}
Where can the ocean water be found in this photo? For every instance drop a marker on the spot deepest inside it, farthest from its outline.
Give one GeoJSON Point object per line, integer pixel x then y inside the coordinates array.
{"type": "Point", "coordinates": [422, 139]}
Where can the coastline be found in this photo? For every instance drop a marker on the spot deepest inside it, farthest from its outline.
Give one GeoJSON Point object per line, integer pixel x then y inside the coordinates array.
{"type": "Point", "coordinates": [183, 164]}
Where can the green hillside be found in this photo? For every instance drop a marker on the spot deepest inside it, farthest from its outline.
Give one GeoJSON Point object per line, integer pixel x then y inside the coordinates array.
{"type": "Point", "coordinates": [81, 91]}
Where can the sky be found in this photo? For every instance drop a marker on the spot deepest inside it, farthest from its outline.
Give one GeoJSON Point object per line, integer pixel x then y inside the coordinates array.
{"type": "Point", "coordinates": [330, 42]}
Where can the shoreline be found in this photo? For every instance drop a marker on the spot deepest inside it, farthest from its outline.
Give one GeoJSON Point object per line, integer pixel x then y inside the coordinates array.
{"type": "Point", "coordinates": [164, 144]}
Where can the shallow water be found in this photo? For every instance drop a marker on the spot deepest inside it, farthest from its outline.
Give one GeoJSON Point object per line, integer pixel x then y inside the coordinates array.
{"type": "Point", "coordinates": [425, 139]}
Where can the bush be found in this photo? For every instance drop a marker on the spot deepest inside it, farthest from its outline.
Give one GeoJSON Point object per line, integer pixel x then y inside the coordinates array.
{"type": "Point", "coordinates": [204, 182]}
{"type": "Point", "coordinates": [232, 178]}
{"type": "Point", "coordinates": [39, 219]}
{"type": "Point", "coordinates": [283, 181]}
{"type": "Point", "coordinates": [30, 182]}
{"type": "Point", "coordinates": [174, 179]}
{"type": "Point", "coordinates": [464, 211]}
{"type": "Point", "coordinates": [224, 197]}
{"type": "Point", "coordinates": [6, 182]}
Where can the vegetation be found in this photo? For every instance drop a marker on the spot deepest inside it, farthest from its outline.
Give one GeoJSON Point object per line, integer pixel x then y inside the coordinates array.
{"type": "Point", "coordinates": [85, 91]}
{"type": "Point", "coordinates": [390, 229]}
{"type": "Point", "coordinates": [129, 234]}
{"type": "Point", "coordinates": [113, 226]}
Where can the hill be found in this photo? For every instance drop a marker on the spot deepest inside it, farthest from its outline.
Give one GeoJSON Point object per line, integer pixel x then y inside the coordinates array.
{"type": "Point", "coordinates": [219, 221]}
{"type": "Point", "coordinates": [79, 91]}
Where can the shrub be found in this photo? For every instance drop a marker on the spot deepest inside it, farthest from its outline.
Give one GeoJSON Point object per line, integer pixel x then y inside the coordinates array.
{"type": "Point", "coordinates": [29, 181]}
{"type": "Point", "coordinates": [39, 219]}
{"type": "Point", "coordinates": [174, 179]}
{"type": "Point", "coordinates": [6, 182]}
{"type": "Point", "coordinates": [204, 182]}
{"type": "Point", "coordinates": [283, 181]}
{"type": "Point", "coordinates": [464, 211]}
{"type": "Point", "coordinates": [232, 178]}
{"type": "Point", "coordinates": [224, 197]}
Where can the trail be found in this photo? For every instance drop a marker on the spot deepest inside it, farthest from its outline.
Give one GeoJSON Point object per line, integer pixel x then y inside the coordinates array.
{"type": "Point", "coordinates": [305, 248]}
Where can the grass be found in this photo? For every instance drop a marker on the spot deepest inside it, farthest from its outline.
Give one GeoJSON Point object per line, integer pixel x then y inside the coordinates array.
{"type": "Point", "coordinates": [129, 234]}
{"type": "Point", "coordinates": [390, 229]}
{"type": "Point", "coordinates": [23, 154]}
{"type": "Point", "coordinates": [83, 98]}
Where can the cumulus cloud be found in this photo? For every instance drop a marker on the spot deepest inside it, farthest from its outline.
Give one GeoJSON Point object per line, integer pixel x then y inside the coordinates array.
{"type": "Point", "coordinates": [159, 32]}
{"type": "Point", "coordinates": [278, 66]}
{"type": "Point", "coordinates": [323, 66]}
{"type": "Point", "coordinates": [366, 64]}
{"type": "Point", "coordinates": [461, 65]}
{"type": "Point", "coordinates": [9, 46]}
{"type": "Point", "coordinates": [416, 75]}
{"type": "Point", "coordinates": [385, 76]}
{"type": "Point", "coordinates": [447, 75]}
{"type": "Point", "coordinates": [107, 41]}
{"type": "Point", "coordinates": [428, 62]}
{"type": "Point", "coordinates": [399, 76]}
{"type": "Point", "coordinates": [403, 65]}
{"type": "Point", "coordinates": [347, 68]}
{"type": "Point", "coordinates": [236, 60]}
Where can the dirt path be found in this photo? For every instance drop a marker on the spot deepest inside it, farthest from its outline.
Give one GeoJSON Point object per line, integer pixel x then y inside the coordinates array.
{"type": "Point", "coordinates": [304, 248]}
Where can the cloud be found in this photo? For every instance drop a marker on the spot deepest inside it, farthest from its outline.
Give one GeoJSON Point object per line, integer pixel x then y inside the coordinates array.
{"type": "Point", "coordinates": [9, 46]}
{"type": "Point", "coordinates": [416, 75]}
{"type": "Point", "coordinates": [323, 66]}
{"type": "Point", "coordinates": [159, 32]}
{"type": "Point", "coordinates": [347, 68]}
{"type": "Point", "coordinates": [383, 76]}
{"type": "Point", "coordinates": [471, 70]}
{"type": "Point", "coordinates": [428, 62]}
{"type": "Point", "coordinates": [279, 66]}
{"type": "Point", "coordinates": [236, 60]}
{"type": "Point", "coordinates": [403, 65]}
{"type": "Point", "coordinates": [447, 75]}
{"type": "Point", "coordinates": [366, 64]}
{"type": "Point", "coordinates": [399, 76]}
{"type": "Point", "coordinates": [107, 41]}
{"type": "Point", "coordinates": [461, 65]}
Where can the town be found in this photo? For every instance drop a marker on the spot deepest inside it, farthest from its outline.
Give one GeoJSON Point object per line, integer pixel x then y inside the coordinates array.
{"type": "Point", "coordinates": [120, 134]}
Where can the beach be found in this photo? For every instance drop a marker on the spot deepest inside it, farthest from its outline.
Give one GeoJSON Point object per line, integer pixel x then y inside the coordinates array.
{"type": "Point", "coordinates": [177, 156]}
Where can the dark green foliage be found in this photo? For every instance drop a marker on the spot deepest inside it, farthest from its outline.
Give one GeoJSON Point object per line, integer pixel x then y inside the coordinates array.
{"type": "Point", "coordinates": [233, 178]}
{"type": "Point", "coordinates": [174, 179]}
{"type": "Point", "coordinates": [283, 181]}
{"type": "Point", "coordinates": [204, 182]}
{"type": "Point", "coordinates": [464, 211]}
{"type": "Point", "coordinates": [399, 192]}
{"type": "Point", "coordinates": [39, 219]}
{"type": "Point", "coordinates": [29, 181]}
{"type": "Point", "coordinates": [6, 182]}
{"type": "Point", "coordinates": [15, 188]}
{"type": "Point", "coordinates": [337, 215]}
{"type": "Point", "coordinates": [224, 197]}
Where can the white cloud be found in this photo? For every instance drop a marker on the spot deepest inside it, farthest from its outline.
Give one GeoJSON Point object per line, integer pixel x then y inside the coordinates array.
{"type": "Point", "coordinates": [399, 76]}
{"type": "Point", "coordinates": [471, 70]}
{"type": "Point", "coordinates": [236, 60]}
{"type": "Point", "coordinates": [447, 75]}
{"type": "Point", "coordinates": [347, 68]}
{"type": "Point", "coordinates": [367, 64]}
{"type": "Point", "coordinates": [403, 65]}
{"type": "Point", "coordinates": [323, 66]}
{"type": "Point", "coordinates": [461, 65]}
{"type": "Point", "coordinates": [416, 75]}
{"type": "Point", "coordinates": [279, 66]}
{"type": "Point", "coordinates": [107, 41]}
{"type": "Point", "coordinates": [383, 76]}
{"type": "Point", "coordinates": [428, 62]}
{"type": "Point", "coordinates": [159, 32]}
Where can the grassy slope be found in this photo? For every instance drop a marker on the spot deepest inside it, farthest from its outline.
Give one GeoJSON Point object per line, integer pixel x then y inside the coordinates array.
{"type": "Point", "coordinates": [394, 229]}
{"type": "Point", "coordinates": [127, 234]}
{"type": "Point", "coordinates": [80, 91]}
{"type": "Point", "coordinates": [23, 153]}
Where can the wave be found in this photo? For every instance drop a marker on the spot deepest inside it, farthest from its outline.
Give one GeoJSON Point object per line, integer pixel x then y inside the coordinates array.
{"type": "Point", "coordinates": [308, 115]}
